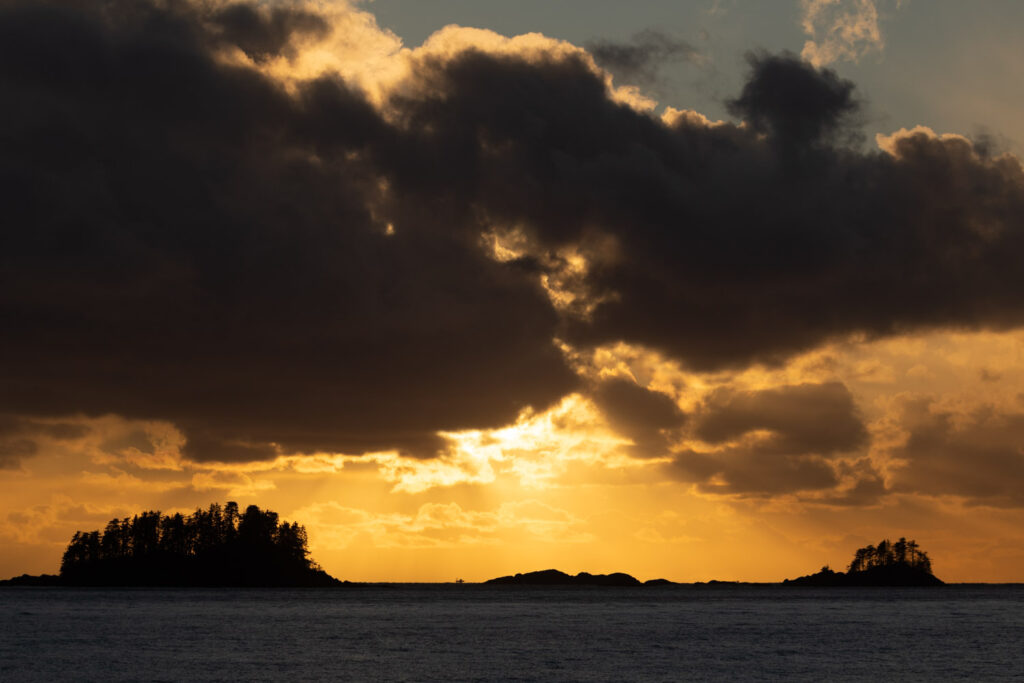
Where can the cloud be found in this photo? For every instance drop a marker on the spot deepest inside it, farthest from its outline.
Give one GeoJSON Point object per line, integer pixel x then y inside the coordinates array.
{"type": "Point", "coordinates": [20, 438]}
{"type": "Point", "coordinates": [12, 451]}
{"type": "Point", "coordinates": [730, 244]}
{"type": "Point", "coordinates": [745, 471]}
{"type": "Point", "coordinates": [263, 32]}
{"type": "Point", "coordinates": [277, 264]}
{"type": "Point", "coordinates": [793, 105]}
{"type": "Point", "coordinates": [639, 60]}
{"type": "Point", "coordinates": [48, 522]}
{"type": "Point", "coordinates": [866, 486]}
{"type": "Point", "coordinates": [804, 418]}
{"type": "Point", "coordinates": [648, 418]}
{"type": "Point", "coordinates": [211, 256]}
{"type": "Point", "coordinates": [840, 30]}
{"type": "Point", "coordinates": [977, 454]}
{"type": "Point", "coordinates": [772, 441]}
{"type": "Point", "coordinates": [231, 484]}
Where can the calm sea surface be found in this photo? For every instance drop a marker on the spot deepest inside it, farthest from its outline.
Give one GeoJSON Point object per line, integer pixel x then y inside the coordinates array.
{"type": "Point", "coordinates": [426, 632]}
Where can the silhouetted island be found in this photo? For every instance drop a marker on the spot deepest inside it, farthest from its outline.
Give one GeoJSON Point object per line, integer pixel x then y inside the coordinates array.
{"type": "Point", "coordinates": [888, 564]}
{"type": "Point", "coordinates": [553, 577]}
{"type": "Point", "coordinates": [214, 547]}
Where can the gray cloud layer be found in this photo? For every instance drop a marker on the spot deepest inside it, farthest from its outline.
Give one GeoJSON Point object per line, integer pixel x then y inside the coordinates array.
{"type": "Point", "coordinates": [186, 240]}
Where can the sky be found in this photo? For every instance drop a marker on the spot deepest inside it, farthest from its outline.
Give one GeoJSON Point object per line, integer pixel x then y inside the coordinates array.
{"type": "Point", "coordinates": [693, 290]}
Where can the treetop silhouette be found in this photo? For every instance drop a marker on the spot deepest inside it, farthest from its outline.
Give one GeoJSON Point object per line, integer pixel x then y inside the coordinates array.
{"type": "Point", "coordinates": [886, 554]}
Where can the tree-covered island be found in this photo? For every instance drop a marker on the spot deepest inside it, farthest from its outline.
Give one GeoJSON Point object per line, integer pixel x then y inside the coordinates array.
{"type": "Point", "coordinates": [902, 563]}
{"type": "Point", "coordinates": [218, 546]}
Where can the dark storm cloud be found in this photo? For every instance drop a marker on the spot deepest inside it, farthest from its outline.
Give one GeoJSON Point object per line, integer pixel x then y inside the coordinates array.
{"type": "Point", "coordinates": [186, 241]}
{"type": "Point", "coordinates": [979, 456]}
{"type": "Point", "coordinates": [796, 106]}
{"type": "Point", "coordinates": [189, 241]}
{"type": "Point", "coordinates": [775, 441]}
{"type": "Point", "coordinates": [639, 60]}
{"type": "Point", "coordinates": [260, 30]}
{"type": "Point", "coordinates": [732, 244]}
{"type": "Point", "coordinates": [648, 418]}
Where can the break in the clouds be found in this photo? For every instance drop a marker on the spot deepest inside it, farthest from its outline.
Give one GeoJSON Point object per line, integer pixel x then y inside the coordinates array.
{"type": "Point", "coordinates": [293, 265]}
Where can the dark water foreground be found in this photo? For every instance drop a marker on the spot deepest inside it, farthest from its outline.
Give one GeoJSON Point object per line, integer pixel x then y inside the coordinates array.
{"type": "Point", "coordinates": [474, 632]}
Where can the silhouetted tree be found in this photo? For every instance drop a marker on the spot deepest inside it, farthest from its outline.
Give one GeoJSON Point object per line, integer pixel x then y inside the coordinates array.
{"type": "Point", "coordinates": [257, 528]}
{"type": "Point", "coordinates": [145, 533]}
{"type": "Point", "coordinates": [291, 538]}
{"type": "Point", "coordinates": [112, 544]}
{"type": "Point", "coordinates": [859, 562]}
{"type": "Point", "coordinates": [884, 553]}
{"type": "Point", "coordinates": [923, 562]}
{"type": "Point", "coordinates": [899, 549]}
{"type": "Point", "coordinates": [230, 520]}
{"type": "Point", "coordinates": [173, 539]}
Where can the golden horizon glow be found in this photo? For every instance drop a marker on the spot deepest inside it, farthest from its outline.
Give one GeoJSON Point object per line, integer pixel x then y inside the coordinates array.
{"type": "Point", "coordinates": [555, 490]}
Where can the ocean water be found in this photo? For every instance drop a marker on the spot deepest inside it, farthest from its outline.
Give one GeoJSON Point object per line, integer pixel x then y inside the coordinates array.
{"type": "Point", "coordinates": [478, 633]}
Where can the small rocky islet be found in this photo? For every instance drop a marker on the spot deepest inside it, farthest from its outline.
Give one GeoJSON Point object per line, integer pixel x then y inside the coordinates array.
{"type": "Point", "coordinates": [553, 577]}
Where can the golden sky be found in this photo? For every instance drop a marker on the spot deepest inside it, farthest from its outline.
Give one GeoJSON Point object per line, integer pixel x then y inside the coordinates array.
{"type": "Point", "coordinates": [485, 305]}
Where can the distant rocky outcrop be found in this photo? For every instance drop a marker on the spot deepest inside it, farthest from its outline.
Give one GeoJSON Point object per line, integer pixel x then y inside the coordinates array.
{"type": "Point", "coordinates": [888, 564]}
{"type": "Point", "coordinates": [659, 582]}
{"type": "Point", "coordinates": [553, 577]}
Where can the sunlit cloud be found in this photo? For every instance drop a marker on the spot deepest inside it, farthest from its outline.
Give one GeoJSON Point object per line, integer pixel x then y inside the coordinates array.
{"type": "Point", "coordinates": [374, 60]}
{"type": "Point", "coordinates": [536, 450]}
{"type": "Point", "coordinates": [841, 30]}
